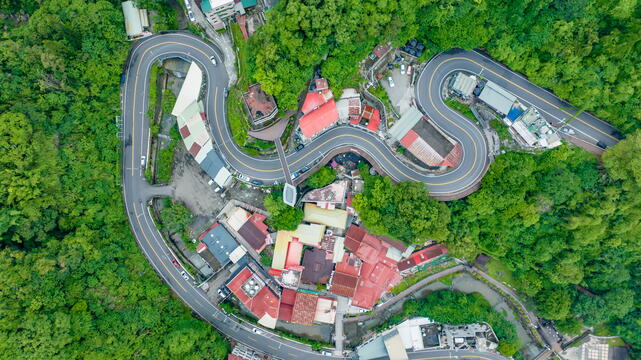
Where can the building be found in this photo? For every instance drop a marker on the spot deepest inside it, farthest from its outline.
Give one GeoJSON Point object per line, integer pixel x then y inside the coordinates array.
{"type": "Point", "coordinates": [349, 105]}
{"type": "Point", "coordinates": [325, 310]}
{"type": "Point", "coordinates": [497, 98]}
{"type": "Point", "coordinates": [421, 259]}
{"type": "Point", "coordinates": [221, 244]}
{"type": "Point", "coordinates": [304, 309]}
{"type": "Point", "coordinates": [331, 218]}
{"type": "Point", "coordinates": [250, 288]}
{"type": "Point", "coordinates": [370, 118]}
{"type": "Point", "coordinates": [388, 345]}
{"type": "Point", "coordinates": [318, 266]}
{"type": "Point", "coordinates": [426, 141]}
{"type": "Point", "coordinates": [380, 50]}
{"type": "Point", "coordinates": [463, 84]}
{"type": "Point", "coordinates": [192, 125]}
{"type": "Point", "coordinates": [260, 105]}
{"type": "Point", "coordinates": [289, 194]}
{"type": "Point", "coordinates": [289, 245]}
{"type": "Point", "coordinates": [419, 333]}
{"type": "Point", "coordinates": [251, 227]}
{"type": "Point", "coordinates": [530, 128]}
{"type": "Point", "coordinates": [328, 197]}
{"type": "Point", "coordinates": [136, 20]}
{"type": "Point", "coordinates": [319, 109]}
{"type": "Point", "coordinates": [217, 12]}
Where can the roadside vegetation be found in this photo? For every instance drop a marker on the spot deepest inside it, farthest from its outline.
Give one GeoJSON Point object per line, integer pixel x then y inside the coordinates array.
{"type": "Point", "coordinates": [323, 177]}
{"type": "Point", "coordinates": [281, 215]}
{"type": "Point", "coordinates": [383, 204]}
{"type": "Point", "coordinates": [165, 161]}
{"type": "Point", "coordinates": [175, 218]}
{"type": "Point", "coordinates": [461, 108]}
{"type": "Point", "coordinates": [501, 129]}
{"type": "Point", "coordinates": [414, 278]}
{"type": "Point", "coordinates": [74, 283]}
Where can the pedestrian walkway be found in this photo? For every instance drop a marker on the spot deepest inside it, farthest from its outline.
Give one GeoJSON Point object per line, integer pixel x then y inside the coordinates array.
{"type": "Point", "coordinates": [339, 337]}
{"type": "Point", "coordinates": [283, 162]}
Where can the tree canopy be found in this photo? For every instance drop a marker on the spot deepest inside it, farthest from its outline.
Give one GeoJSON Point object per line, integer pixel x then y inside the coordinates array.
{"type": "Point", "coordinates": [281, 215]}
{"type": "Point", "coordinates": [324, 176]}
{"type": "Point", "coordinates": [402, 211]}
{"type": "Point", "coordinates": [74, 284]}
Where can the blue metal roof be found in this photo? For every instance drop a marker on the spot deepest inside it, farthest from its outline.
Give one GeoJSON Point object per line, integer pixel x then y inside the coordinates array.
{"type": "Point", "coordinates": [212, 163]}
{"type": "Point", "coordinates": [514, 114]}
{"type": "Point", "coordinates": [220, 243]}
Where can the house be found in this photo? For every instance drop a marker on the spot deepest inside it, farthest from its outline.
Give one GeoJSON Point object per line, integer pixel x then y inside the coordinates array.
{"type": "Point", "coordinates": [328, 197]}
{"type": "Point", "coordinates": [380, 50]}
{"type": "Point", "coordinates": [345, 278]}
{"type": "Point", "coordinates": [463, 84]}
{"type": "Point", "coordinates": [289, 245]}
{"type": "Point", "coordinates": [221, 244]}
{"type": "Point", "coordinates": [319, 109]}
{"type": "Point", "coordinates": [497, 98]}
{"type": "Point", "coordinates": [304, 309]}
{"type": "Point", "coordinates": [135, 20]}
{"type": "Point", "coordinates": [317, 265]}
{"type": "Point", "coordinates": [251, 227]}
{"type": "Point", "coordinates": [252, 291]}
{"type": "Point", "coordinates": [420, 259]}
{"type": "Point", "coordinates": [217, 12]}
{"type": "Point", "coordinates": [335, 218]}
{"type": "Point", "coordinates": [192, 126]}
{"type": "Point", "coordinates": [260, 105]}
{"type": "Point", "coordinates": [349, 105]}
{"type": "Point", "coordinates": [370, 118]}
{"type": "Point", "coordinates": [325, 310]}
{"type": "Point", "coordinates": [426, 141]}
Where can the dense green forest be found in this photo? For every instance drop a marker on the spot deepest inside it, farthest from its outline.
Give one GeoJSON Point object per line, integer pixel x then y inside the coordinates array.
{"type": "Point", "coordinates": [74, 285]}
{"type": "Point", "coordinates": [457, 308]}
{"type": "Point", "coordinates": [587, 51]}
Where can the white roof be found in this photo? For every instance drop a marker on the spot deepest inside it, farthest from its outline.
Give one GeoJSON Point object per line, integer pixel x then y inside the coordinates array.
{"type": "Point", "coordinates": [238, 253]}
{"type": "Point", "coordinates": [325, 311]}
{"type": "Point", "coordinates": [497, 98]}
{"type": "Point", "coordinates": [339, 249]}
{"type": "Point", "coordinates": [223, 178]}
{"type": "Point", "coordinates": [268, 321]}
{"type": "Point", "coordinates": [133, 25]}
{"type": "Point", "coordinates": [237, 218]}
{"type": "Point", "coordinates": [405, 123]}
{"type": "Point", "coordinates": [189, 90]}
{"type": "Point", "coordinates": [310, 234]}
{"type": "Point", "coordinates": [394, 345]}
{"type": "Point", "coordinates": [464, 84]}
{"type": "Point", "coordinates": [522, 130]}
{"type": "Point", "coordinates": [410, 332]}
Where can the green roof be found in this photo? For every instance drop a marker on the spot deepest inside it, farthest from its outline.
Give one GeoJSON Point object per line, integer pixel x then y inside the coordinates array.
{"type": "Point", "coordinates": [206, 6]}
{"type": "Point", "coordinates": [248, 3]}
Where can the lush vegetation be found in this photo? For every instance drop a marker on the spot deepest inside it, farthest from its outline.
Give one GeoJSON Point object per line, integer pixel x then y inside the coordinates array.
{"type": "Point", "coordinates": [456, 308]}
{"type": "Point", "coordinates": [586, 51]}
{"type": "Point", "coordinates": [281, 215]}
{"type": "Point", "coordinates": [383, 203]}
{"type": "Point", "coordinates": [74, 284]}
{"type": "Point", "coordinates": [461, 108]}
{"type": "Point", "coordinates": [166, 156]}
{"type": "Point", "coordinates": [175, 219]}
{"type": "Point", "coordinates": [324, 176]}
{"type": "Point", "coordinates": [559, 220]}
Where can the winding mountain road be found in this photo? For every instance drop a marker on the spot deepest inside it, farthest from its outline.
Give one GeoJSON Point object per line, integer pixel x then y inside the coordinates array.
{"type": "Point", "coordinates": [137, 191]}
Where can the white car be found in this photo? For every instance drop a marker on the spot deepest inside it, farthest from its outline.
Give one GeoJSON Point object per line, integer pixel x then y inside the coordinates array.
{"type": "Point", "coordinates": [213, 60]}
{"type": "Point", "coordinates": [256, 331]}
{"type": "Point", "coordinates": [402, 69]}
{"type": "Point", "coordinates": [187, 5]}
{"type": "Point", "coordinates": [184, 275]}
{"type": "Point", "coordinates": [391, 82]}
{"type": "Point", "coordinates": [142, 160]}
{"type": "Point", "coordinates": [191, 16]}
{"type": "Point", "coordinates": [326, 353]}
{"type": "Point", "coordinates": [409, 70]}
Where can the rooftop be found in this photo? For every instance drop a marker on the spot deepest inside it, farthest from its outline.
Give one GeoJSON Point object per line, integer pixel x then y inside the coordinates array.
{"type": "Point", "coordinates": [304, 308]}
{"type": "Point", "coordinates": [261, 105]}
{"type": "Point", "coordinates": [319, 119]}
{"type": "Point", "coordinates": [332, 193]}
{"type": "Point", "coordinates": [222, 245]}
{"type": "Point", "coordinates": [422, 256]}
{"type": "Point", "coordinates": [343, 284]}
{"type": "Point", "coordinates": [325, 310]}
{"type": "Point", "coordinates": [250, 289]}
{"type": "Point", "coordinates": [318, 267]}
{"type": "Point", "coordinates": [497, 98]}
{"type": "Point", "coordinates": [333, 218]}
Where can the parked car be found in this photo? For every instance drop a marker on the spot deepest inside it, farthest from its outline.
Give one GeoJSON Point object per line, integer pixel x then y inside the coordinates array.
{"type": "Point", "coordinates": [390, 66]}
{"type": "Point", "coordinates": [219, 189]}
{"type": "Point", "coordinates": [409, 70]}
{"type": "Point", "coordinates": [300, 147]}
{"type": "Point", "coordinates": [142, 160]}
{"type": "Point", "coordinates": [191, 16]}
{"type": "Point", "coordinates": [256, 182]}
{"type": "Point", "coordinates": [184, 275]}
{"type": "Point", "coordinates": [213, 60]}
{"type": "Point", "coordinates": [295, 175]}
{"type": "Point", "coordinates": [617, 134]}
{"type": "Point", "coordinates": [402, 69]}
{"type": "Point", "coordinates": [175, 262]}
{"type": "Point", "coordinates": [391, 82]}
{"type": "Point", "coordinates": [256, 331]}
{"type": "Point", "coordinates": [601, 144]}
{"type": "Point", "coordinates": [242, 177]}
{"type": "Point", "coordinates": [326, 353]}
{"type": "Point", "coordinates": [226, 92]}
{"type": "Point", "coordinates": [187, 5]}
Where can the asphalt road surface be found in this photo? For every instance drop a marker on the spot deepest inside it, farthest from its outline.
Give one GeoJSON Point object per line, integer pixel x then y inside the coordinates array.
{"type": "Point", "coordinates": [136, 148]}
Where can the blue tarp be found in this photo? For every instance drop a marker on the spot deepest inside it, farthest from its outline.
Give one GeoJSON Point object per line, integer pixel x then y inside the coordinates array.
{"type": "Point", "coordinates": [514, 113]}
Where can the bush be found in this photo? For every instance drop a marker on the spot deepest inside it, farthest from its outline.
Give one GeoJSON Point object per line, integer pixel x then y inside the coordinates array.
{"type": "Point", "coordinates": [324, 176]}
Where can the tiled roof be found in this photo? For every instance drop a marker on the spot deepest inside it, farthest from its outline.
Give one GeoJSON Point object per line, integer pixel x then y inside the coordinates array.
{"type": "Point", "coordinates": [304, 308]}
{"type": "Point", "coordinates": [375, 120]}
{"type": "Point", "coordinates": [343, 284]}
{"type": "Point", "coordinates": [254, 231]}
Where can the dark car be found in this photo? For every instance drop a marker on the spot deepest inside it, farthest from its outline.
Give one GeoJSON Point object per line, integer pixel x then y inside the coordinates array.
{"type": "Point", "coordinates": [617, 134]}
{"type": "Point", "coordinates": [256, 182]}
{"type": "Point", "coordinates": [175, 262]}
{"type": "Point", "coordinates": [300, 147]}
{"type": "Point", "coordinates": [601, 144]}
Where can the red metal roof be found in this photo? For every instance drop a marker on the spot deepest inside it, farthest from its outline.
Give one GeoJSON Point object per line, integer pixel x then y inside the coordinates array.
{"type": "Point", "coordinates": [312, 101]}
{"type": "Point", "coordinates": [375, 121]}
{"type": "Point", "coordinates": [409, 139]}
{"type": "Point", "coordinates": [349, 265]}
{"type": "Point", "coordinates": [184, 132]}
{"type": "Point", "coordinates": [294, 254]}
{"type": "Point", "coordinates": [287, 300]}
{"type": "Point", "coordinates": [380, 50]}
{"type": "Point", "coordinates": [264, 302]}
{"type": "Point", "coordinates": [201, 247]}
{"type": "Point", "coordinates": [319, 119]}
{"type": "Point", "coordinates": [194, 149]}
{"type": "Point", "coordinates": [321, 84]}
{"type": "Point", "coordinates": [422, 256]}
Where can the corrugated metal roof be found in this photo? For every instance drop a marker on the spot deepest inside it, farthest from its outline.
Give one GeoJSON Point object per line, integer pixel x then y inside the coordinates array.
{"type": "Point", "coordinates": [190, 89]}
{"type": "Point", "coordinates": [133, 25]}
{"type": "Point", "coordinates": [317, 120]}
{"type": "Point", "coordinates": [333, 218]}
{"type": "Point", "coordinates": [497, 98]}
{"type": "Point", "coordinates": [405, 123]}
